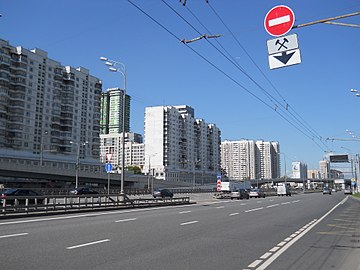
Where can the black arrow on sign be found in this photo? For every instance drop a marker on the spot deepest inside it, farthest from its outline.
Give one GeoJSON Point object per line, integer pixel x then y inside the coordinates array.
{"type": "Point", "coordinates": [284, 58]}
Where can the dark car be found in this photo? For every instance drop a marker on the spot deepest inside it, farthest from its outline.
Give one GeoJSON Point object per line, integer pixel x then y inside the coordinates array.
{"type": "Point", "coordinates": [83, 191]}
{"type": "Point", "coordinates": [239, 194]}
{"type": "Point", "coordinates": [162, 193]}
{"type": "Point", "coordinates": [23, 194]}
{"type": "Point", "coordinates": [326, 190]}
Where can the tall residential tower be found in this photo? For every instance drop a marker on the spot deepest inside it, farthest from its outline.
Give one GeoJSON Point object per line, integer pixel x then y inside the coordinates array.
{"type": "Point", "coordinates": [179, 147]}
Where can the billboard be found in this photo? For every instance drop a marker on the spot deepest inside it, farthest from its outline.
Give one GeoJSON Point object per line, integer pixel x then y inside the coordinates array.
{"type": "Point", "coordinates": [339, 158]}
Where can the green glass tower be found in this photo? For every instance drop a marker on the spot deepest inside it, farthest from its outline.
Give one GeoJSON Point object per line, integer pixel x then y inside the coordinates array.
{"type": "Point", "coordinates": [111, 111]}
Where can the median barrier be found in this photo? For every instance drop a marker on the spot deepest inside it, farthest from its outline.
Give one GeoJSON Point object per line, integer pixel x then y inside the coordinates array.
{"type": "Point", "coordinates": [72, 203]}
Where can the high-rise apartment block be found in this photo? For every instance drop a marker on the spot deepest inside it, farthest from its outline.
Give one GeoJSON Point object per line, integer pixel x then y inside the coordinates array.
{"type": "Point", "coordinates": [179, 147]}
{"type": "Point", "coordinates": [249, 159]}
{"type": "Point", "coordinates": [112, 111]}
{"type": "Point", "coordinates": [47, 108]}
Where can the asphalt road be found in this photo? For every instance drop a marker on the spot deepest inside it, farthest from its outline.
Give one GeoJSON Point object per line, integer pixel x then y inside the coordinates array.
{"type": "Point", "coordinates": [311, 231]}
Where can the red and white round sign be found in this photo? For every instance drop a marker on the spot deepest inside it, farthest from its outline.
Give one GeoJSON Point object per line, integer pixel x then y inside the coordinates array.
{"type": "Point", "coordinates": [279, 20]}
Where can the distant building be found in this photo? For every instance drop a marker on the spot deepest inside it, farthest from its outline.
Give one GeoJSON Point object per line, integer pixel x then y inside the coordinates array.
{"type": "Point", "coordinates": [112, 144]}
{"type": "Point", "coordinates": [249, 159]}
{"type": "Point", "coordinates": [47, 110]}
{"type": "Point", "coordinates": [324, 167]}
{"type": "Point", "coordinates": [313, 174]}
{"type": "Point", "coordinates": [112, 113]}
{"type": "Point", "coordinates": [179, 147]}
{"type": "Point", "coordinates": [299, 170]}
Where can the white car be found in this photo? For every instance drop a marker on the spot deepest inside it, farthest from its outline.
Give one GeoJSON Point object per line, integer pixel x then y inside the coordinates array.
{"type": "Point", "coordinates": [256, 192]}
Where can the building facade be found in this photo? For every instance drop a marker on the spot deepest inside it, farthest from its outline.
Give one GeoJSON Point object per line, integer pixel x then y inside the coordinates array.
{"type": "Point", "coordinates": [179, 147]}
{"type": "Point", "coordinates": [47, 110]}
{"type": "Point", "coordinates": [111, 121]}
{"type": "Point", "coordinates": [249, 159]}
{"type": "Point", "coordinates": [299, 170]}
{"type": "Point", "coordinates": [112, 144]}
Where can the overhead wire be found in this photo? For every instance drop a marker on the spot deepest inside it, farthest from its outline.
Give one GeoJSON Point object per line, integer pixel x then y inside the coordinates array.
{"type": "Point", "coordinates": [287, 105]}
{"type": "Point", "coordinates": [220, 70]}
{"type": "Point", "coordinates": [234, 62]}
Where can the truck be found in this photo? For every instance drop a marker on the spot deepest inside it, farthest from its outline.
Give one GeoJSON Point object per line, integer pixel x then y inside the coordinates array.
{"type": "Point", "coordinates": [283, 189]}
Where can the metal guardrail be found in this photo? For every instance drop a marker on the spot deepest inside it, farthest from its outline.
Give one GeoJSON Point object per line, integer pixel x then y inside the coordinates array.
{"type": "Point", "coordinates": [19, 206]}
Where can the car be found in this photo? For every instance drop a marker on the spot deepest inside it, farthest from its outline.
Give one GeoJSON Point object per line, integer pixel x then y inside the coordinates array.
{"type": "Point", "coordinates": [326, 190]}
{"type": "Point", "coordinates": [162, 193]}
{"type": "Point", "coordinates": [82, 191]}
{"type": "Point", "coordinates": [239, 194]}
{"type": "Point", "coordinates": [347, 191]}
{"type": "Point", "coordinates": [23, 194]}
{"type": "Point", "coordinates": [256, 192]}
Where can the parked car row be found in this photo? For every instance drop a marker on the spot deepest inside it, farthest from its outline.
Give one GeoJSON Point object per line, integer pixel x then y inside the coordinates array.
{"type": "Point", "coordinates": [23, 194]}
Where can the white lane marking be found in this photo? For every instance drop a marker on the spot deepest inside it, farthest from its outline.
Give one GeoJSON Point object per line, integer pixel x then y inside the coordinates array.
{"type": "Point", "coordinates": [255, 263]}
{"type": "Point", "coordinates": [288, 239]}
{"type": "Point", "coordinates": [94, 214]}
{"type": "Point", "coordinates": [13, 235]}
{"type": "Point", "coordinates": [274, 249]}
{"type": "Point", "coordinates": [242, 203]}
{"type": "Point", "coordinates": [293, 235]}
{"type": "Point", "coordinates": [296, 201]}
{"type": "Point", "coordinates": [281, 244]}
{"type": "Point", "coordinates": [266, 255]}
{"type": "Point", "coordinates": [233, 214]}
{"type": "Point", "coordinates": [293, 241]}
{"type": "Point", "coordinates": [89, 244]}
{"type": "Point", "coordinates": [255, 209]}
{"type": "Point", "coordinates": [273, 205]}
{"type": "Point", "coordinates": [125, 220]}
{"type": "Point", "coordinates": [285, 203]}
{"type": "Point", "coordinates": [220, 207]}
{"type": "Point", "coordinates": [188, 223]}
{"type": "Point", "coordinates": [184, 212]}
{"type": "Point", "coordinates": [279, 20]}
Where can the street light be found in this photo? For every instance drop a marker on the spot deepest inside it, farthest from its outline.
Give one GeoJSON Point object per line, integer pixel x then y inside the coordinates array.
{"type": "Point", "coordinates": [42, 148]}
{"type": "Point", "coordinates": [119, 67]}
{"type": "Point", "coordinates": [77, 161]}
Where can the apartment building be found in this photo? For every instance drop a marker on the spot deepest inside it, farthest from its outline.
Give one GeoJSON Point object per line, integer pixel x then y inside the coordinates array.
{"type": "Point", "coordinates": [112, 144]}
{"type": "Point", "coordinates": [299, 170]}
{"type": "Point", "coordinates": [47, 110]}
{"type": "Point", "coordinates": [249, 159]}
{"type": "Point", "coordinates": [179, 147]}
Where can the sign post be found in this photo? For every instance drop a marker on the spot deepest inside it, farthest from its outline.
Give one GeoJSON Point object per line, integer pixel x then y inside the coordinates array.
{"type": "Point", "coordinates": [108, 168]}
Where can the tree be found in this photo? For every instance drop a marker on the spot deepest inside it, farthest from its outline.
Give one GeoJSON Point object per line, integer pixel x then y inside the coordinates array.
{"type": "Point", "coordinates": [134, 169]}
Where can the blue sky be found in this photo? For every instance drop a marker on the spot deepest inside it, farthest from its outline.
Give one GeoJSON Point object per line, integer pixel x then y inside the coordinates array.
{"type": "Point", "coordinates": [163, 71]}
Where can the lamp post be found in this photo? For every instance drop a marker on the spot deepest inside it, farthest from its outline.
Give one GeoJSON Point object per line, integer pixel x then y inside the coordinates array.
{"type": "Point", "coordinates": [42, 148]}
{"type": "Point", "coordinates": [149, 172]}
{"type": "Point", "coordinates": [77, 161]}
{"type": "Point", "coordinates": [119, 67]}
{"type": "Point", "coordinates": [195, 162]}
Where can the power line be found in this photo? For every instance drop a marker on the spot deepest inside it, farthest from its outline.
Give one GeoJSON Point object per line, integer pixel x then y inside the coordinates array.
{"type": "Point", "coordinates": [221, 71]}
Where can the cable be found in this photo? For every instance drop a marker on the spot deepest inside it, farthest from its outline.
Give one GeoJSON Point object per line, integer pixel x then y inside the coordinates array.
{"type": "Point", "coordinates": [220, 70]}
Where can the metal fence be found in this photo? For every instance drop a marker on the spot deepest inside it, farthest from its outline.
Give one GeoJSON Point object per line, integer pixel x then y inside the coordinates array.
{"type": "Point", "coordinates": [12, 206]}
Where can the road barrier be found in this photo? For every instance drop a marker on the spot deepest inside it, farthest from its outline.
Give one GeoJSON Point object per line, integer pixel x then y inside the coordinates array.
{"type": "Point", "coordinates": [24, 206]}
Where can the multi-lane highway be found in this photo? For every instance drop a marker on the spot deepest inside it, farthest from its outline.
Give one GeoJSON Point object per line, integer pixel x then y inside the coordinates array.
{"type": "Point", "coordinates": [308, 231]}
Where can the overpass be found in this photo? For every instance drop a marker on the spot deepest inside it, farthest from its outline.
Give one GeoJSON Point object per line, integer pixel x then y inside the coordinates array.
{"type": "Point", "coordinates": [28, 172]}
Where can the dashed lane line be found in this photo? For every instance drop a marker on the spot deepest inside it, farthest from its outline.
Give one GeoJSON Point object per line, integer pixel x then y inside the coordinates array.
{"type": "Point", "coordinates": [13, 235]}
{"type": "Point", "coordinates": [88, 244]}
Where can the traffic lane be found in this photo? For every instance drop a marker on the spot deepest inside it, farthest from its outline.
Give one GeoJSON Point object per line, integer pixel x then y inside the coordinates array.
{"type": "Point", "coordinates": [77, 233]}
{"type": "Point", "coordinates": [332, 244]}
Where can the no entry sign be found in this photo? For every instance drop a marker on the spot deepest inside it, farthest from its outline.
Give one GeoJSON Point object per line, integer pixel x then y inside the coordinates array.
{"type": "Point", "coordinates": [279, 20]}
